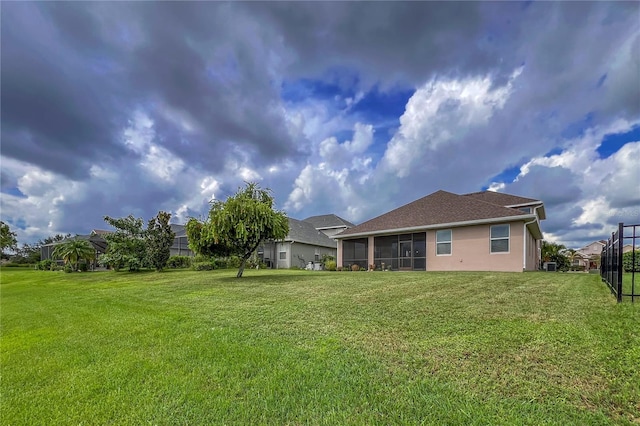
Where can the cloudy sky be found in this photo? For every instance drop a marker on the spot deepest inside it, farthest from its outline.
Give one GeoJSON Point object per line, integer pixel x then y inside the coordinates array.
{"type": "Point", "coordinates": [349, 108]}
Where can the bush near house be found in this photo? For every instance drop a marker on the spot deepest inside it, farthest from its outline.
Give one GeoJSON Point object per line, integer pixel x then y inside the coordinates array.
{"type": "Point", "coordinates": [628, 261]}
{"type": "Point", "coordinates": [176, 262]}
{"type": "Point", "coordinates": [330, 265]}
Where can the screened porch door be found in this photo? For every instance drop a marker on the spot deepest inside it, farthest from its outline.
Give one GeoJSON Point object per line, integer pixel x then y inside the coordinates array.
{"type": "Point", "coordinates": [405, 256]}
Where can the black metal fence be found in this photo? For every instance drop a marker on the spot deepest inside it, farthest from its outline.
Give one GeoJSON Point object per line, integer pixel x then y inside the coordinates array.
{"type": "Point", "coordinates": [620, 260]}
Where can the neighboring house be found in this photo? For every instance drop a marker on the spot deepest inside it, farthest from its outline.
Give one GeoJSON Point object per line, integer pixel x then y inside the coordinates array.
{"type": "Point", "coordinates": [180, 245]}
{"type": "Point", "coordinates": [329, 224]}
{"type": "Point", "coordinates": [482, 231]}
{"type": "Point", "coordinates": [627, 248]}
{"type": "Point", "coordinates": [588, 255]}
{"type": "Point", "coordinates": [303, 244]}
{"type": "Point", "coordinates": [95, 238]}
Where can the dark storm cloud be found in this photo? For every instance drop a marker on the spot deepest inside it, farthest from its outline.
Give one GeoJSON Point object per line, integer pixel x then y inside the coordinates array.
{"type": "Point", "coordinates": [70, 82]}
{"type": "Point", "coordinates": [389, 41]}
{"type": "Point", "coordinates": [56, 113]}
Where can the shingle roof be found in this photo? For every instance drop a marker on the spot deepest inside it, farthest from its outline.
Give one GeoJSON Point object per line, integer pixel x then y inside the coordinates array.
{"type": "Point", "coordinates": [441, 207]}
{"type": "Point", "coordinates": [500, 198]}
{"type": "Point", "coordinates": [328, 221]}
{"type": "Point", "coordinates": [304, 232]}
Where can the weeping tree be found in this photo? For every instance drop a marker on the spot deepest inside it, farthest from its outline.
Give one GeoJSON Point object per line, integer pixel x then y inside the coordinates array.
{"type": "Point", "coordinates": [238, 225]}
{"type": "Point", "coordinates": [72, 251]}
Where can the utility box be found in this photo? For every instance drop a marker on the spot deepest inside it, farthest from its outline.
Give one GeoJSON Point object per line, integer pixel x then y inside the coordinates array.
{"type": "Point", "coordinates": [550, 266]}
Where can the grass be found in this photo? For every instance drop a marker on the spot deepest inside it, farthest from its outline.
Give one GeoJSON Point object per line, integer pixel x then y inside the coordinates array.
{"type": "Point", "coordinates": [298, 347]}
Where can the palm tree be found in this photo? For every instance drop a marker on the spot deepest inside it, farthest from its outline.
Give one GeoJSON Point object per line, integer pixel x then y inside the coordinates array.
{"type": "Point", "coordinates": [572, 255]}
{"type": "Point", "coordinates": [73, 251]}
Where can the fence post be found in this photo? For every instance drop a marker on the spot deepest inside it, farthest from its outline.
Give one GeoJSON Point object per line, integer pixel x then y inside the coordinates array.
{"type": "Point", "coordinates": [619, 255]}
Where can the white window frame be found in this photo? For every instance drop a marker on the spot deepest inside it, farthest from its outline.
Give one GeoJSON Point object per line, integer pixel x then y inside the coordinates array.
{"type": "Point", "coordinates": [508, 238]}
{"type": "Point", "coordinates": [282, 252]}
{"type": "Point", "coordinates": [450, 242]}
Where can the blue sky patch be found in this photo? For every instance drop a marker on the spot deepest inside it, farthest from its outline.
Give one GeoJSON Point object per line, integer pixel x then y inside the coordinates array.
{"type": "Point", "coordinates": [554, 151]}
{"type": "Point", "coordinates": [612, 143]}
{"type": "Point", "coordinates": [506, 176]}
{"type": "Point", "coordinates": [577, 128]}
{"type": "Point", "coordinates": [377, 105]}
{"type": "Point", "coordinates": [13, 191]}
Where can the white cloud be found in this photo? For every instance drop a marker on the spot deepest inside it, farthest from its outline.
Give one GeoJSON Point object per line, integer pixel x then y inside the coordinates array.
{"type": "Point", "coordinates": [608, 187]}
{"type": "Point", "coordinates": [42, 207]}
{"type": "Point", "coordinates": [337, 177]}
{"type": "Point", "coordinates": [156, 160]}
{"type": "Point", "coordinates": [442, 112]}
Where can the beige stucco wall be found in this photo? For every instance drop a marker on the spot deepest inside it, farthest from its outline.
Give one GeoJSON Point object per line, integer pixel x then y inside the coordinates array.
{"type": "Point", "coordinates": [470, 250]}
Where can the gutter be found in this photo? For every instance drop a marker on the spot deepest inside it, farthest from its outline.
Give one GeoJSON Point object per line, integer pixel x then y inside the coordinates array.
{"type": "Point", "coordinates": [534, 217]}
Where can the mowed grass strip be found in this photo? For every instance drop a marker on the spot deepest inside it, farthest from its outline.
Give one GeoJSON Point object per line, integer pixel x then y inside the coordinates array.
{"type": "Point", "coordinates": [298, 347]}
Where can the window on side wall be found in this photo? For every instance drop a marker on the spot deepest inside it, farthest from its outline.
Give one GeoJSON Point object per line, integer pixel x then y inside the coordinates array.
{"type": "Point", "coordinates": [283, 255]}
{"type": "Point", "coordinates": [443, 242]}
{"type": "Point", "coordinates": [500, 238]}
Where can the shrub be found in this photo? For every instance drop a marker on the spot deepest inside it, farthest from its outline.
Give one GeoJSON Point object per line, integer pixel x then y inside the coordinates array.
{"type": "Point", "coordinates": [628, 261]}
{"type": "Point", "coordinates": [355, 267]}
{"type": "Point", "coordinates": [233, 262]}
{"type": "Point", "coordinates": [330, 265]}
{"type": "Point", "coordinates": [326, 258]}
{"type": "Point", "coordinates": [339, 268]}
{"type": "Point", "coordinates": [45, 265]}
{"type": "Point", "coordinates": [179, 262]}
{"type": "Point", "coordinates": [202, 266]}
{"type": "Point", "coordinates": [67, 268]}
{"type": "Point", "coordinates": [83, 267]}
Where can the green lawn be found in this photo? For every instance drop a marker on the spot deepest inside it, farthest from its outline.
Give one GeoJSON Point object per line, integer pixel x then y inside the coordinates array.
{"type": "Point", "coordinates": [298, 347]}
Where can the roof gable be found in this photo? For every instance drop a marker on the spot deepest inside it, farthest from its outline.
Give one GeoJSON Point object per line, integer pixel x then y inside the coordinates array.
{"type": "Point", "coordinates": [328, 221]}
{"type": "Point", "coordinates": [441, 207]}
{"type": "Point", "coordinates": [304, 232]}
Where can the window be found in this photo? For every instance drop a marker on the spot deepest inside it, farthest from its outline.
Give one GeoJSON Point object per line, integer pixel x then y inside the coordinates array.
{"type": "Point", "coordinates": [525, 209]}
{"type": "Point", "coordinates": [283, 255]}
{"type": "Point", "coordinates": [443, 242]}
{"type": "Point", "coordinates": [500, 239]}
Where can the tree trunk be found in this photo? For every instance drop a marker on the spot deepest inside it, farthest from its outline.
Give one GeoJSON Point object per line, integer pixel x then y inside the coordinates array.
{"type": "Point", "coordinates": [241, 269]}
{"type": "Point", "coordinates": [245, 258]}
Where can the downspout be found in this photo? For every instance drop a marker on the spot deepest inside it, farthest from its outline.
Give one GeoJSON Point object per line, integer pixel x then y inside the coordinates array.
{"type": "Point", "coordinates": [524, 238]}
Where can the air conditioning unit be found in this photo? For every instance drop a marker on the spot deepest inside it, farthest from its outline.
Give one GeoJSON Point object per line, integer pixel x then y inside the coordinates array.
{"type": "Point", "coordinates": [550, 266]}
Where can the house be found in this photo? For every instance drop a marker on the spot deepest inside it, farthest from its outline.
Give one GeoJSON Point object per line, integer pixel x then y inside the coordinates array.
{"type": "Point", "coordinates": [329, 224]}
{"type": "Point", "coordinates": [589, 255]}
{"type": "Point", "coordinates": [481, 231]}
{"type": "Point", "coordinates": [95, 238]}
{"type": "Point", "coordinates": [180, 245]}
{"type": "Point", "coordinates": [303, 244]}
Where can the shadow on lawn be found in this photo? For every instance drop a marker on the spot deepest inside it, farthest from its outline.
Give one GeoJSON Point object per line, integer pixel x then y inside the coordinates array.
{"type": "Point", "coordinates": [263, 278]}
